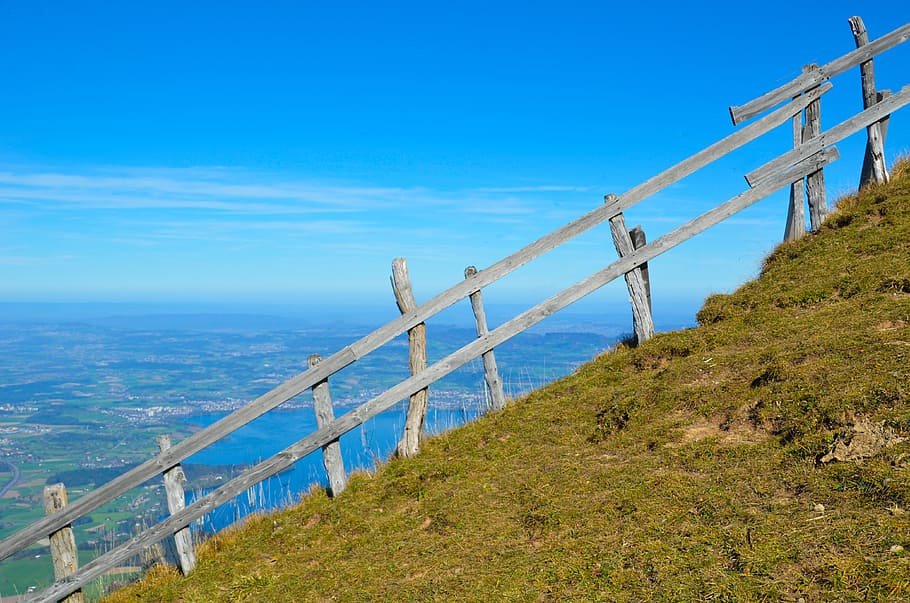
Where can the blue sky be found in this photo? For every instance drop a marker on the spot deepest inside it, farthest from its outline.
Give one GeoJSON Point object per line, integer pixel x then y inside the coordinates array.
{"type": "Point", "coordinates": [288, 151]}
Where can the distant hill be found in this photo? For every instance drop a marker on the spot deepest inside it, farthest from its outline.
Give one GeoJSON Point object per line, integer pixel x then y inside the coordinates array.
{"type": "Point", "coordinates": [760, 456]}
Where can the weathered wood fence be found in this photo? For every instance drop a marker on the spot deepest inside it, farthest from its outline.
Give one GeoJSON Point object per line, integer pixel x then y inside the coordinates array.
{"type": "Point", "coordinates": [801, 168]}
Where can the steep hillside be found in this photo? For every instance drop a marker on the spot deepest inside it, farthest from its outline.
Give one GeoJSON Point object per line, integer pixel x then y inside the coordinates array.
{"type": "Point", "coordinates": [688, 469]}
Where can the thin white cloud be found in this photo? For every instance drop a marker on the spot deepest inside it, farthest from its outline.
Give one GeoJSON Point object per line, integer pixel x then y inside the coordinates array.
{"type": "Point", "coordinates": [147, 234]}
{"type": "Point", "coordinates": [244, 192]}
{"type": "Point", "coordinates": [231, 193]}
{"type": "Point", "coordinates": [215, 211]}
{"type": "Point", "coordinates": [227, 184]}
{"type": "Point", "coordinates": [106, 200]}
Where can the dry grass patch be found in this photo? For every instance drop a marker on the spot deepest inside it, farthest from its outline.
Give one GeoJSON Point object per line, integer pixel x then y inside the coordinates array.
{"type": "Point", "coordinates": [724, 430]}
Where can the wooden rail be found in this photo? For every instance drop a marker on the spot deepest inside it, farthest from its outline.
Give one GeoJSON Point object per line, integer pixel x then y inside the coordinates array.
{"type": "Point", "coordinates": [811, 154]}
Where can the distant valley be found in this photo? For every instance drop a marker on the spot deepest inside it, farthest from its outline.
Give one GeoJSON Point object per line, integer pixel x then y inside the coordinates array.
{"type": "Point", "coordinates": [82, 400]}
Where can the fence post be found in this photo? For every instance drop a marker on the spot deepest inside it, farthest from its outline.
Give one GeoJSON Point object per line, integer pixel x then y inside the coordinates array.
{"type": "Point", "coordinates": [637, 234]}
{"type": "Point", "coordinates": [64, 554]}
{"type": "Point", "coordinates": [490, 371]}
{"type": "Point", "coordinates": [815, 182]}
{"type": "Point", "coordinates": [874, 167]}
{"type": "Point", "coordinates": [409, 445]}
{"type": "Point", "coordinates": [638, 293]}
{"type": "Point", "coordinates": [796, 216]}
{"type": "Point", "coordinates": [331, 452]}
{"type": "Point", "coordinates": [174, 478]}
{"type": "Point", "coordinates": [812, 189]}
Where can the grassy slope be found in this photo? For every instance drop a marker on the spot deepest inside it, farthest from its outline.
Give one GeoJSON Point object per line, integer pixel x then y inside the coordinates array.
{"type": "Point", "coordinates": [681, 470]}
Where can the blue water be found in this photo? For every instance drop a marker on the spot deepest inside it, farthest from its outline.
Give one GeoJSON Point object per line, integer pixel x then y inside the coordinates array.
{"type": "Point", "coordinates": [363, 448]}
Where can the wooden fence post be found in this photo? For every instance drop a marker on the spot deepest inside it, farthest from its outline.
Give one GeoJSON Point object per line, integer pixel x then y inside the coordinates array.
{"type": "Point", "coordinates": [331, 452]}
{"type": "Point", "coordinates": [64, 554]}
{"type": "Point", "coordinates": [815, 182]}
{"type": "Point", "coordinates": [796, 216]}
{"type": "Point", "coordinates": [637, 234]}
{"type": "Point", "coordinates": [874, 167]}
{"type": "Point", "coordinates": [867, 175]}
{"type": "Point", "coordinates": [409, 445]}
{"type": "Point", "coordinates": [490, 371]}
{"type": "Point", "coordinates": [813, 188]}
{"type": "Point", "coordinates": [638, 293]}
{"type": "Point", "coordinates": [174, 478]}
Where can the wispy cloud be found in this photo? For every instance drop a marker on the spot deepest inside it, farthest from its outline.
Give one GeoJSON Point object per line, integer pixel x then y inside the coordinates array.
{"type": "Point", "coordinates": [221, 218]}
{"type": "Point", "coordinates": [90, 199]}
{"type": "Point", "coordinates": [230, 194]}
{"type": "Point", "coordinates": [234, 232]}
{"type": "Point", "coordinates": [247, 192]}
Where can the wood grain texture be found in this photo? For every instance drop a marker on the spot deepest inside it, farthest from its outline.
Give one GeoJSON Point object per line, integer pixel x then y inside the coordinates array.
{"type": "Point", "coordinates": [642, 322]}
{"type": "Point", "coordinates": [807, 81]}
{"type": "Point", "coordinates": [409, 444]}
{"type": "Point", "coordinates": [331, 452]}
{"type": "Point", "coordinates": [490, 370]}
{"type": "Point", "coordinates": [875, 145]}
{"type": "Point", "coordinates": [639, 240]}
{"type": "Point", "coordinates": [64, 554]}
{"type": "Point", "coordinates": [866, 174]}
{"type": "Point", "coordinates": [349, 354]}
{"type": "Point", "coordinates": [174, 479]}
{"type": "Point", "coordinates": [815, 182]}
{"type": "Point", "coordinates": [795, 227]}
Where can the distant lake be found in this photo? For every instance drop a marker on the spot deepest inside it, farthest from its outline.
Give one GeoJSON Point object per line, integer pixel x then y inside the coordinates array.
{"type": "Point", "coordinates": [362, 448]}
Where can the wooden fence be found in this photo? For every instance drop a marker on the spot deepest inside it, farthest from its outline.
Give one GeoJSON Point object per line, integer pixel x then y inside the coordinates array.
{"type": "Point", "coordinates": [800, 167]}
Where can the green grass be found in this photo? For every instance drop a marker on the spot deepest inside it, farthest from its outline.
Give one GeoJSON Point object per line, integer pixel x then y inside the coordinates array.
{"type": "Point", "coordinates": [682, 470]}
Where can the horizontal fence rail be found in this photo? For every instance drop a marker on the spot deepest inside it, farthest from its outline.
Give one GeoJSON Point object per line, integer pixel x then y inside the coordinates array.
{"type": "Point", "coordinates": [332, 431]}
{"type": "Point", "coordinates": [807, 160]}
